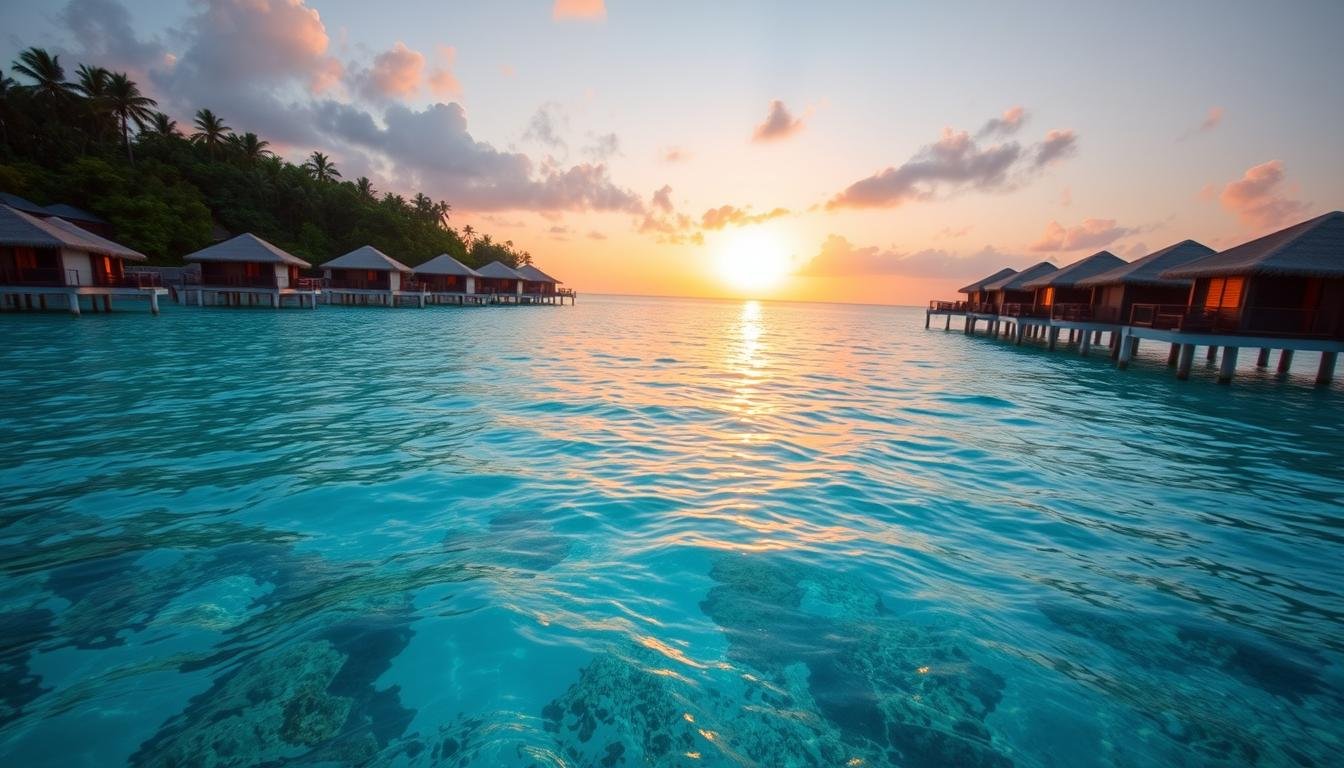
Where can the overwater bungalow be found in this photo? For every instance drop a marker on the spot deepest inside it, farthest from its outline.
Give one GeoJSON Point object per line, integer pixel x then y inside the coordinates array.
{"type": "Point", "coordinates": [81, 218]}
{"type": "Point", "coordinates": [1282, 291]}
{"type": "Point", "coordinates": [1010, 296]}
{"type": "Point", "coordinates": [246, 270]}
{"type": "Point", "coordinates": [366, 275]}
{"type": "Point", "coordinates": [500, 282]}
{"type": "Point", "coordinates": [1117, 291]}
{"type": "Point", "coordinates": [978, 297]}
{"type": "Point", "coordinates": [448, 281]}
{"type": "Point", "coordinates": [1057, 293]}
{"type": "Point", "coordinates": [49, 263]}
{"type": "Point", "coordinates": [541, 288]}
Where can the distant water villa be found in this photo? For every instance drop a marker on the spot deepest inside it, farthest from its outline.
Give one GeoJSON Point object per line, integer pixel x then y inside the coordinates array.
{"type": "Point", "coordinates": [1283, 291]}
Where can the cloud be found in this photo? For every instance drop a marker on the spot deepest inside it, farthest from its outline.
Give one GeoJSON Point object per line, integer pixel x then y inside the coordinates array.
{"type": "Point", "coordinates": [662, 199]}
{"type": "Point", "coordinates": [953, 232]}
{"type": "Point", "coordinates": [672, 229]}
{"type": "Point", "coordinates": [442, 82]}
{"type": "Point", "coordinates": [595, 235]}
{"type": "Point", "coordinates": [395, 74]}
{"type": "Point", "coordinates": [673, 154]}
{"type": "Point", "coordinates": [604, 147]}
{"type": "Point", "coordinates": [104, 32]}
{"type": "Point", "coordinates": [1257, 200]}
{"type": "Point", "coordinates": [546, 125]}
{"type": "Point", "coordinates": [1092, 233]}
{"type": "Point", "coordinates": [728, 215]}
{"type": "Point", "coordinates": [839, 257]}
{"type": "Point", "coordinates": [1006, 125]}
{"type": "Point", "coordinates": [953, 162]}
{"type": "Point", "coordinates": [1211, 121]}
{"type": "Point", "coordinates": [1058, 145]}
{"type": "Point", "coordinates": [592, 10]}
{"type": "Point", "coordinates": [432, 149]}
{"type": "Point", "coordinates": [779, 124]}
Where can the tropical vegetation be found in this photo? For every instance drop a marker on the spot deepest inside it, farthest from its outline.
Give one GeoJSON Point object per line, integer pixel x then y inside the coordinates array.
{"type": "Point", "coordinates": [99, 143]}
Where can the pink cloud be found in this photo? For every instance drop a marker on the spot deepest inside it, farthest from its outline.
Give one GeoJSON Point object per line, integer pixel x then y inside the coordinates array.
{"type": "Point", "coordinates": [1257, 200]}
{"type": "Point", "coordinates": [396, 73]}
{"type": "Point", "coordinates": [674, 154]}
{"type": "Point", "coordinates": [726, 215]}
{"type": "Point", "coordinates": [1092, 233]}
{"type": "Point", "coordinates": [594, 10]}
{"type": "Point", "coordinates": [1058, 145]}
{"type": "Point", "coordinates": [662, 199]}
{"type": "Point", "coordinates": [1214, 117]}
{"type": "Point", "coordinates": [442, 81]}
{"type": "Point", "coordinates": [779, 124]}
{"type": "Point", "coordinates": [1006, 125]}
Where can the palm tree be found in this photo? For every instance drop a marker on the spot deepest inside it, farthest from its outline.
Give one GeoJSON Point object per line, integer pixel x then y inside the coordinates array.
{"type": "Point", "coordinates": [92, 84]}
{"type": "Point", "coordinates": [45, 71]}
{"type": "Point", "coordinates": [424, 206]}
{"type": "Point", "coordinates": [129, 105]}
{"type": "Point", "coordinates": [210, 130]}
{"type": "Point", "coordinates": [468, 232]}
{"type": "Point", "coordinates": [365, 187]}
{"type": "Point", "coordinates": [250, 147]}
{"type": "Point", "coordinates": [7, 89]}
{"type": "Point", "coordinates": [441, 210]}
{"type": "Point", "coordinates": [163, 125]}
{"type": "Point", "coordinates": [320, 167]}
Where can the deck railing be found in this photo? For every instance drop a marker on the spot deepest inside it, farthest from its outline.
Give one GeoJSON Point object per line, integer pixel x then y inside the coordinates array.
{"type": "Point", "coordinates": [34, 276]}
{"type": "Point", "coordinates": [129, 280]}
{"type": "Point", "coordinates": [947, 306]}
{"type": "Point", "coordinates": [310, 283]}
{"type": "Point", "coordinates": [358, 284]}
{"type": "Point", "coordinates": [230, 281]}
{"type": "Point", "coordinates": [1253, 321]}
{"type": "Point", "coordinates": [1024, 310]}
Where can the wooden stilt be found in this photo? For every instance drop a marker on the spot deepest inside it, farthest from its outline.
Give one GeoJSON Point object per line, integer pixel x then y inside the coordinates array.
{"type": "Point", "coordinates": [1212, 353]}
{"type": "Point", "coordinates": [1084, 343]}
{"type": "Point", "coordinates": [947, 324]}
{"type": "Point", "coordinates": [1183, 364]}
{"type": "Point", "coordinates": [1285, 362]}
{"type": "Point", "coordinates": [1173, 354]}
{"type": "Point", "coordinates": [1229, 365]}
{"type": "Point", "coordinates": [1054, 338]}
{"type": "Point", "coordinates": [1326, 371]}
{"type": "Point", "coordinates": [1128, 346]}
{"type": "Point", "coordinates": [926, 319]}
{"type": "Point", "coordinates": [1263, 360]}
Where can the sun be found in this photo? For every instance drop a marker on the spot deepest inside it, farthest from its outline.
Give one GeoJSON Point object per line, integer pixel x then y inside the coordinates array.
{"type": "Point", "coordinates": [753, 259]}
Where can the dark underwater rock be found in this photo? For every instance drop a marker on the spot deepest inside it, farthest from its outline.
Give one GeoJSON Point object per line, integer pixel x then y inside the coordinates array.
{"type": "Point", "coordinates": [20, 632]}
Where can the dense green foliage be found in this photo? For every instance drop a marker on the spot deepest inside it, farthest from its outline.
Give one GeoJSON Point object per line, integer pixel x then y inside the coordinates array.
{"type": "Point", "coordinates": [97, 143]}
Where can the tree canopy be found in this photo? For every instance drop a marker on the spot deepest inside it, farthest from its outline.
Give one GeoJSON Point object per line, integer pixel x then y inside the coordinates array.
{"type": "Point", "coordinates": [99, 144]}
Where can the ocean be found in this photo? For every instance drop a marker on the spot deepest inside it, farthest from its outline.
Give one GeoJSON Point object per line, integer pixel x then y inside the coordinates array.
{"type": "Point", "coordinates": [664, 532]}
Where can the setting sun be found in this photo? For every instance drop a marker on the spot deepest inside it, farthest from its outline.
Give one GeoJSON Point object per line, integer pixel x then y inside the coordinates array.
{"type": "Point", "coordinates": [753, 259]}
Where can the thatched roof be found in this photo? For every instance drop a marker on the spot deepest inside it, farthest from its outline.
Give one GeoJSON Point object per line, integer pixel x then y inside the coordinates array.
{"type": "Point", "coordinates": [1015, 281]}
{"type": "Point", "coordinates": [71, 213]}
{"type": "Point", "coordinates": [367, 257]}
{"type": "Point", "coordinates": [535, 275]}
{"type": "Point", "coordinates": [979, 285]}
{"type": "Point", "coordinates": [246, 247]}
{"type": "Point", "coordinates": [1314, 248]}
{"type": "Point", "coordinates": [21, 229]}
{"type": "Point", "coordinates": [22, 204]}
{"type": "Point", "coordinates": [1068, 276]}
{"type": "Point", "coordinates": [496, 269]}
{"type": "Point", "coordinates": [443, 264]}
{"type": "Point", "coordinates": [1148, 270]}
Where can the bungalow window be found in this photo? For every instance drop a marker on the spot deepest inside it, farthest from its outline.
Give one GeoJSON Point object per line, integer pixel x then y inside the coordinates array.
{"type": "Point", "coordinates": [1224, 293]}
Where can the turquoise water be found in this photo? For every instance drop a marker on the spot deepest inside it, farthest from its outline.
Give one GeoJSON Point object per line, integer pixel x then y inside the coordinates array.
{"type": "Point", "coordinates": [654, 532]}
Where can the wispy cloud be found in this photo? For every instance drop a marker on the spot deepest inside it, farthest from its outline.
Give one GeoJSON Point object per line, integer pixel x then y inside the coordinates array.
{"type": "Point", "coordinates": [662, 199]}
{"type": "Point", "coordinates": [954, 163]}
{"type": "Point", "coordinates": [546, 126]}
{"type": "Point", "coordinates": [590, 10]}
{"type": "Point", "coordinates": [1091, 233]}
{"type": "Point", "coordinates": [730, 215]}
{"type": "Point", "coordinates": [838, 257]}
{"type": "Point", "coordinates": [1211, 121]}
{"type": "Point", "coordinates": [779, 124]}
{"type": "Point", "coordinates": [1258, 199]}
{"type": "Point", "coordinates": [673, 154]}
{"type": "Point", "coordinates": [1005, 125]}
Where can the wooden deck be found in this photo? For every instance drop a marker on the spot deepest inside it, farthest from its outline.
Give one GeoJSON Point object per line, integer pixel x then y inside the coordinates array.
{"type": "Point", "coordinates": [70, 298]}
{"type": "Point", "coordinates": [1122, 340]}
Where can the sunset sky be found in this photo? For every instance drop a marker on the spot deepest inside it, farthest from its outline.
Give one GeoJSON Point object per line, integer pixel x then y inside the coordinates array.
{"type": "Point", "coordinates": [876, 152]}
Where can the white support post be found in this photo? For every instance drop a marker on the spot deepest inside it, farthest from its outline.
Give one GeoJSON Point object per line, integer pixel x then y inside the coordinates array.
{"type": "Point", "coordinates": [1084, 343]}
{"type": "Point", "coordinates": [154, 302]}
{"type": "Point", "coordinates": [73, 299]}
{"type": "Point", "coordinates": [1128, 345]}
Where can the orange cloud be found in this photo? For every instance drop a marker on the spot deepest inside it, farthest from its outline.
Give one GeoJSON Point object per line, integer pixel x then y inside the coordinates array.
{"type": "Point", "coordinates": [442, 81]}
{"type": "Point", "coordinates": [398, 72]}
{"type": "Point", "coordinates": [594, 10]}
{"type": "Point", "coordinates": [779, 124]}
{"type": "Point", "coordinates": [726, 215]}
{"type": "Point", "coordinates": [1256, 198]}
{"type": "Point", "coordinates": [1092, 233]}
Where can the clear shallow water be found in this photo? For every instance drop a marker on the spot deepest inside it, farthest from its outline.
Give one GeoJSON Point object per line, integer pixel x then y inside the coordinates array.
{"type": "Point", "coordinates": [653, 532]}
